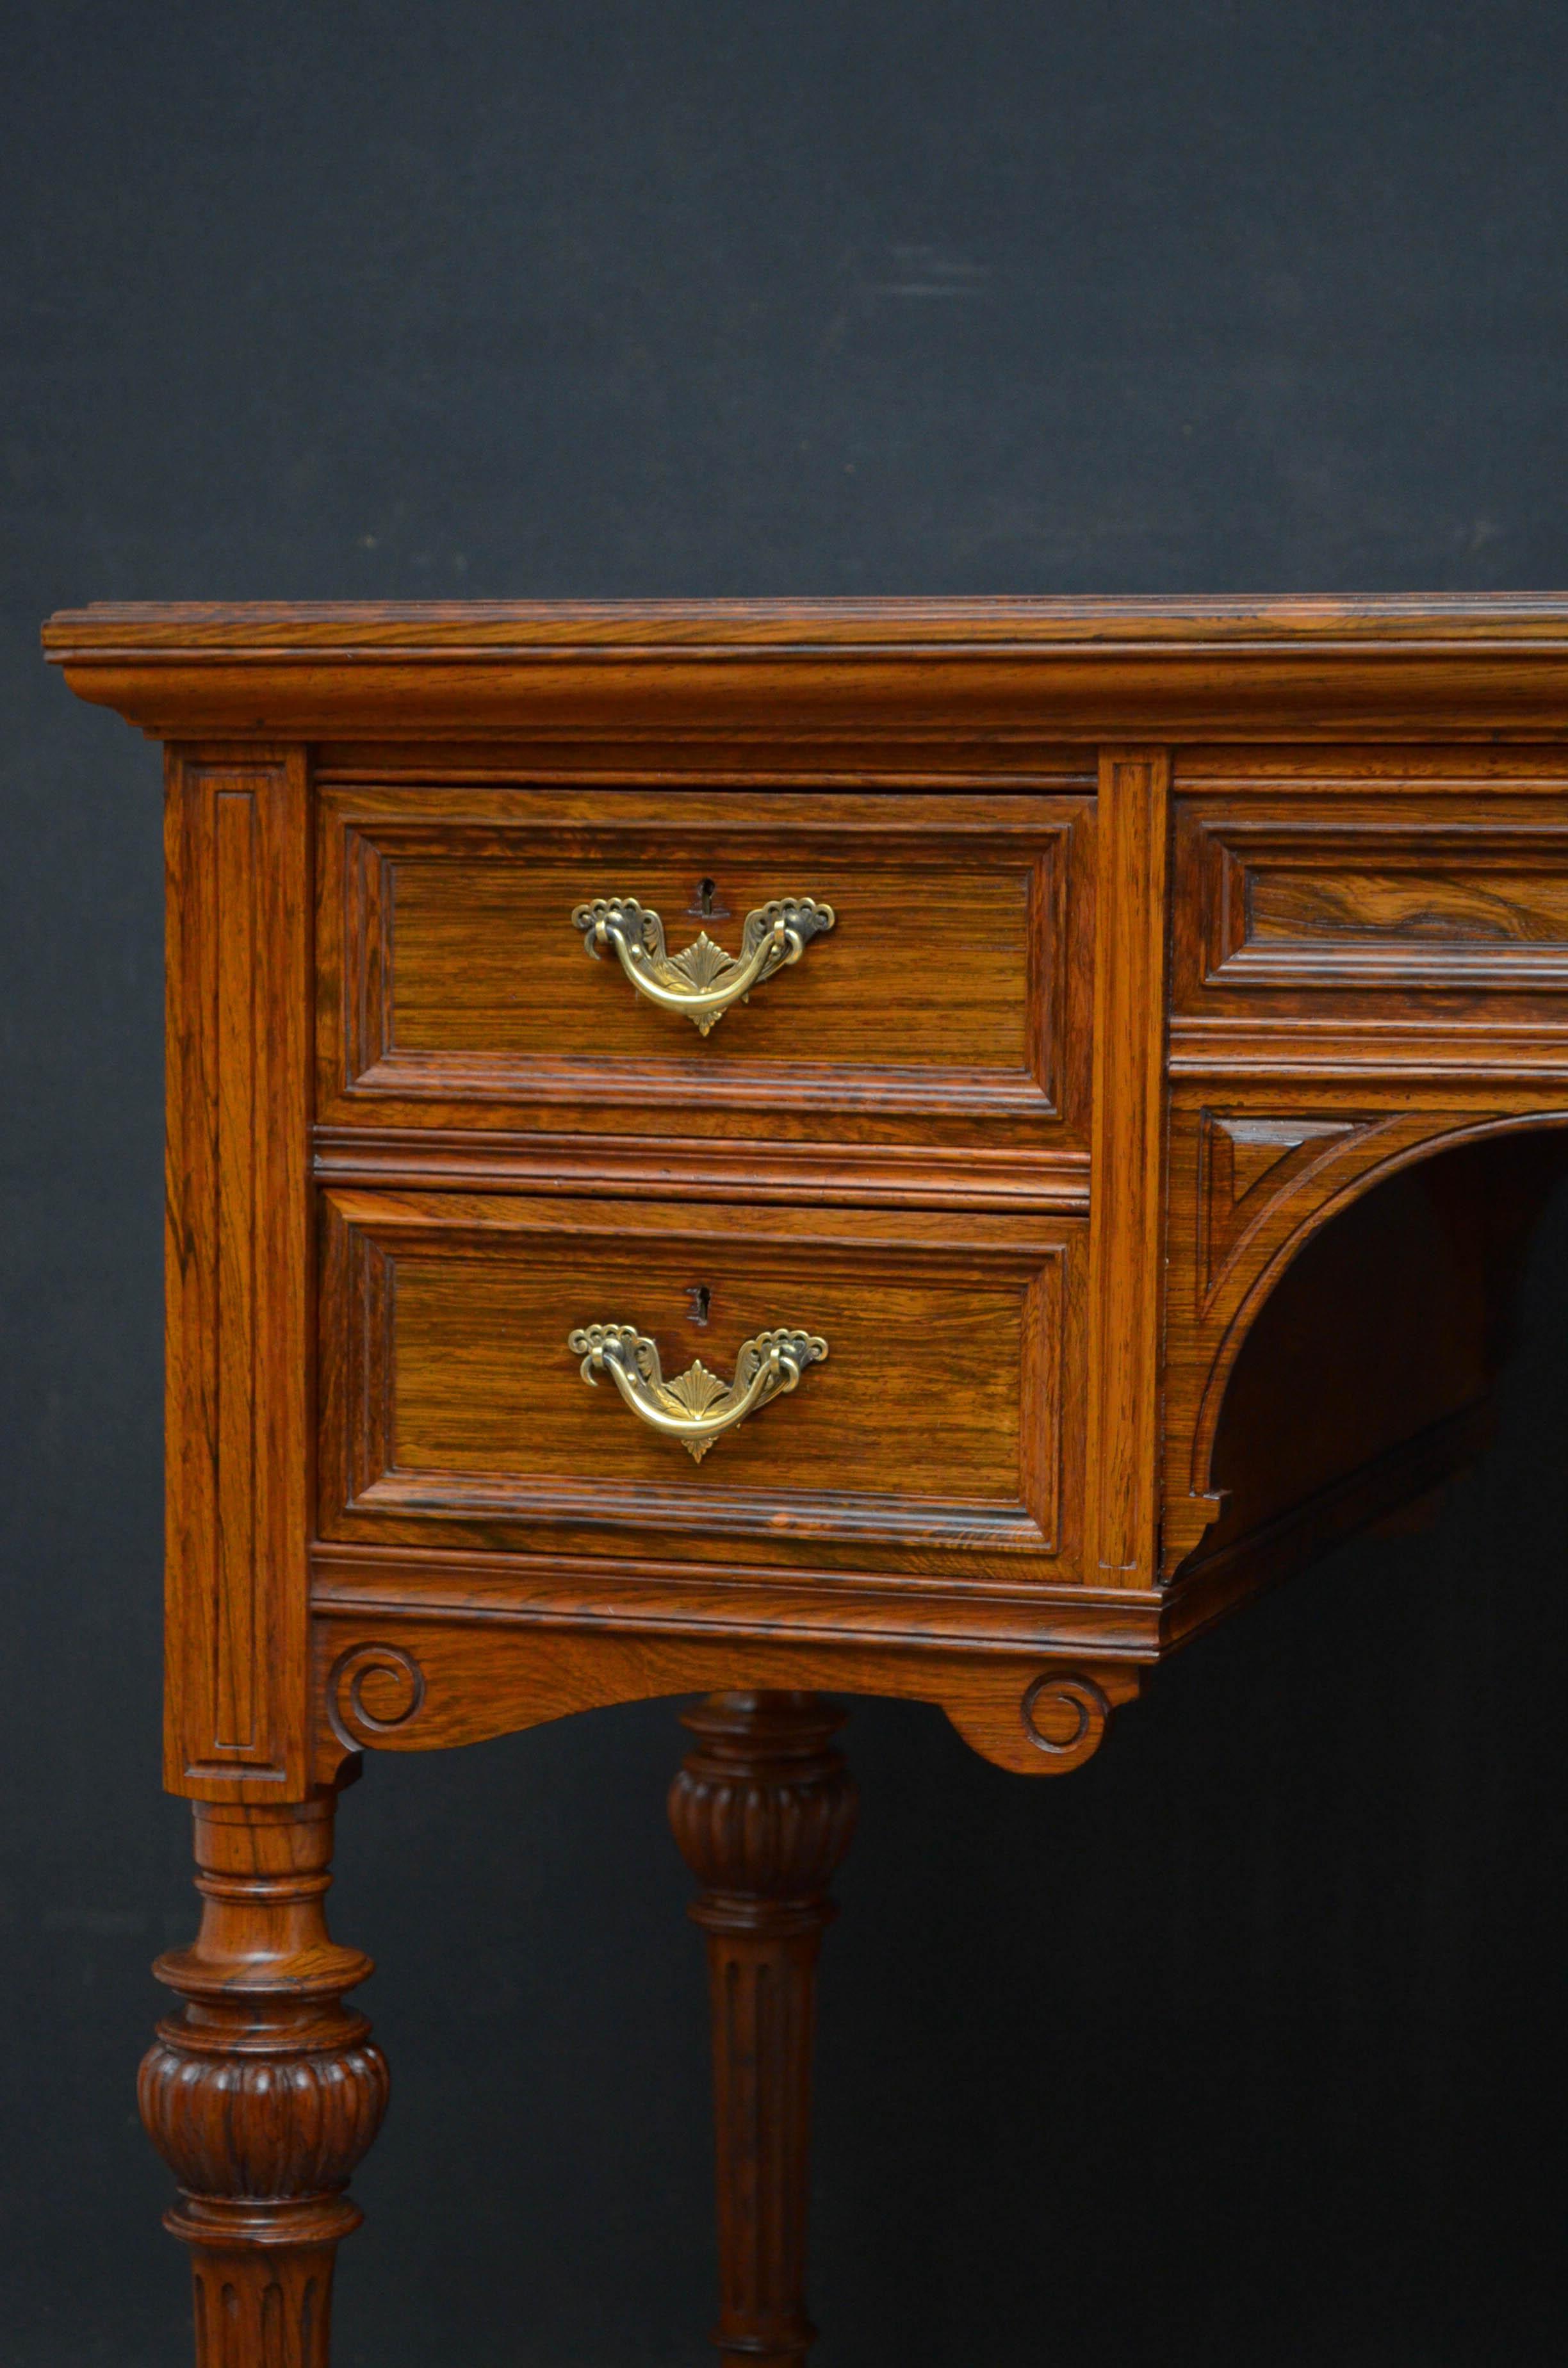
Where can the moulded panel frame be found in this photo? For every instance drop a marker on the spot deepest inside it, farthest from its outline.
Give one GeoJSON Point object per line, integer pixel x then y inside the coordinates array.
{"type": "Point", "coordinates": [656, 1080]}
{"type": "Point", "coordinates": [895, 1536]}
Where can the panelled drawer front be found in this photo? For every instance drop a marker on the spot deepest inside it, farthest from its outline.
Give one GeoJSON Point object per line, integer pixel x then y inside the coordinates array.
{"type": "Point", "coordinates": [1447, 908]}
{"type": "Point", "coordinates": [950, 1001]}
{"type": "Point", "coordinates": [940, 1435]}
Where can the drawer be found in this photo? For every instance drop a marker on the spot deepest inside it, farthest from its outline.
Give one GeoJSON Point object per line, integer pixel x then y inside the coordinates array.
{"type": "Point", "coordinates": [1420, 907]}
{"type": "Point", "coordinates": [947, 1001]}
{"type": "Point", "coordinates": [939, 1434]}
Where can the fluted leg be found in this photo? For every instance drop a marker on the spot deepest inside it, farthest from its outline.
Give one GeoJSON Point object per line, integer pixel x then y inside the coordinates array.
{"type": "Point", "coordinates": [763, 1810]}
{"type": "Point", "coordinates": [263, 2090]}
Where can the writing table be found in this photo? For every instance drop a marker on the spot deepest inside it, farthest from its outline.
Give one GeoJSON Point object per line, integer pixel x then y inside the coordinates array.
{"type": "Point", "coordinates": [762, 1150]}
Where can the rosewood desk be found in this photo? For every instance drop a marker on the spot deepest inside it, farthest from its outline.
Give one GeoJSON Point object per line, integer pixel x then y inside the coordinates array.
{"type": "Point", "coordinates": [908, 1148]}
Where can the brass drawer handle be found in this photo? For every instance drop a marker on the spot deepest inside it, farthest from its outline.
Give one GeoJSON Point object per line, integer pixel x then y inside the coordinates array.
{"type": "Point", "coordinates": [696, 1406]}
{"type": "Point", "coordinates": [703, 981]}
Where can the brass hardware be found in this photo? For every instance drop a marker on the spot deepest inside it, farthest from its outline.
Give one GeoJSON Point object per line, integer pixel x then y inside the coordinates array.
{"type": "Point", "coordinates": [696, 1407]}
{"type": "Point", "coordinates": [703, 981]}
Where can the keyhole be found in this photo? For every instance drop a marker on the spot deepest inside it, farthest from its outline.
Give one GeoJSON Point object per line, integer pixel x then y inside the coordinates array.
{"type": "Point", "coordinates": [701, 1299]}
{"type": "Point", "coordinates": [706, 901]}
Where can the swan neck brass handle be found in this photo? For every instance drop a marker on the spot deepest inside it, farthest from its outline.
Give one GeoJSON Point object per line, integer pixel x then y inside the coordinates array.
{"type": "Point", "coordinates": [703, 981]}
{"type": "Point", "coordinates": [697, 1407]}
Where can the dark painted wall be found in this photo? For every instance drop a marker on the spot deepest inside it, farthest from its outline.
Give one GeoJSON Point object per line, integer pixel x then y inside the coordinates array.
{"type": "Point", "coordinates": [1241, 2046]}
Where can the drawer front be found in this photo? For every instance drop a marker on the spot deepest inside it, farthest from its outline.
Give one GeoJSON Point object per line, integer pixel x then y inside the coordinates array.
{"type": "Point", "coordinates": [937, 1434]}
{"type": "Point", "coordinates": [1419, 906]}
{"type": "Point", "coordinates": [948, 1000]}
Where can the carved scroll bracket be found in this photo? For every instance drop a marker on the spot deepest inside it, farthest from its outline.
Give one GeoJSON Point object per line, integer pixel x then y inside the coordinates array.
{"type": "Point", "coordinates": [422, 1682]}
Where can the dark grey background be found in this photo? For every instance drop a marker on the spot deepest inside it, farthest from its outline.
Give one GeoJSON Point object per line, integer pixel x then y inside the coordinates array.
{"type": "Point", "coordinates": [1243, 2045]}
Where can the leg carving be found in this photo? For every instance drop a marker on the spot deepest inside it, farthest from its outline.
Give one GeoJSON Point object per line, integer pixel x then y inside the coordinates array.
{"type": "Point", "coordinates": [263, 2090]}
{"type": "Point", "coordinates": [763, 1810]}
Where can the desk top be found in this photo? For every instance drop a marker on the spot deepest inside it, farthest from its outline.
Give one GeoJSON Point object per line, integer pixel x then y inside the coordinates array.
{"type": "Point", "coordinates": [1042, 621]}
{"type": "Point", "coordinates": [1314, 667]}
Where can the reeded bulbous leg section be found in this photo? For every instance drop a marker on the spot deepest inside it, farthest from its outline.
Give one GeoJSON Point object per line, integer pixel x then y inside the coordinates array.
{"type": "Point", "coordinates": [263, 2091]}
{"type": "Point", "coordinates": [763, 1810]}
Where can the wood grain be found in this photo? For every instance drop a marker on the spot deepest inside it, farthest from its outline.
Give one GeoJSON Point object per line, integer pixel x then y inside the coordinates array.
{"type": "Point", "coordinates": [806, 1175]}
{"type": "Point", "coordinates": [1421, 906]}
{"type": "Point", "coordinates": [749, 1596]}
{"type": "Point", "coordinates": [1390, 1327]}
{"type": "Point", "coordinates": [238, 1267]}
{"type": "Point", "coordinates": [1390, 883]}
{"type": "Point", "coordinates": [937, 1433]}
{"type": "Point", "coordinates": [763, 1810]}
{"type": "Point", "coordinates": [1107, 1174]}
{"type": "Point", "coordinates": [897, 672]}
{"type": "Point", "coordinates": [950, 1000]}
{"type": "Point", "coordinates": [263, 2091]}
{"type": "Point", "coordinates": [401, 1680]}
{"type": "Point", "coordinates": [1125, 1224]}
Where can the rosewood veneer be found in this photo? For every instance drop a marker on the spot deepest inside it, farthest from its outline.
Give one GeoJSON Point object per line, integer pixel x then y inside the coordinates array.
{"type": "Point", "coordinates": [771, 1150]}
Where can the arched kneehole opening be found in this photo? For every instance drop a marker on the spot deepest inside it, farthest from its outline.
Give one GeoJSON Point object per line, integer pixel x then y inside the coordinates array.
{"type": "Point", "coordinates": [1366, 1379]}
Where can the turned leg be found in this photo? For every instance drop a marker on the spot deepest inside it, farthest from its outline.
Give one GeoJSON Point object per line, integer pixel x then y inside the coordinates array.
{"type": "Point", "coordinates": [763, 1810]}
{"type": "Point", "coordinates": [264, 2090]}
